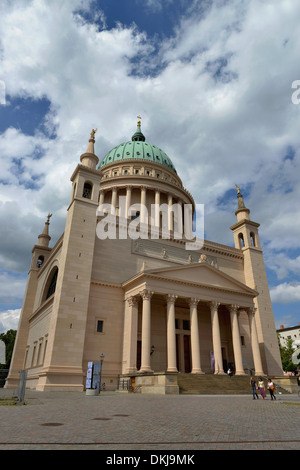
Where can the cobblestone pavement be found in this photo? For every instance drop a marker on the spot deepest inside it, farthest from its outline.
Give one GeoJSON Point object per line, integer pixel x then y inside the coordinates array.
{"type": "Point", "coordinates": [118, 421]}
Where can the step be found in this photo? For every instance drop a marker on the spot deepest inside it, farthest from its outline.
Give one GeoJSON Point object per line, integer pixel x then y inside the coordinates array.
{"type": "Point", "coordinates": [213, 384]}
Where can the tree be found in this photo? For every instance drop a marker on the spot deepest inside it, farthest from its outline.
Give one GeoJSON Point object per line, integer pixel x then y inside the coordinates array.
{"type": "Point", "coordinates": [9, 340]}
{"type": "Point", "coordinates": [286, 353]}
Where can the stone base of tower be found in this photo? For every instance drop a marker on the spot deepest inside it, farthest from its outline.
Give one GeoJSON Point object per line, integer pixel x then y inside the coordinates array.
{"type": "Point", "coordinates": [61, 379]}
{"type": "Point", "coordinates": [12, 380]}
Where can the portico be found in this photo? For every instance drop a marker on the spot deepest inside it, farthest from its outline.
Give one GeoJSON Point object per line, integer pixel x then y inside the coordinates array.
{"type": "Point", "coordinates": [190, 316]}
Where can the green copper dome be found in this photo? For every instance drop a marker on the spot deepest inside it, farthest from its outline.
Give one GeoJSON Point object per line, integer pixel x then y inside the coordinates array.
{"type": "Point", "coordinates": [137, 149]}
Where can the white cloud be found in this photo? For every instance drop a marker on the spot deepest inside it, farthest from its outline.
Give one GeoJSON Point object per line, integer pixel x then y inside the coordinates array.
{"type": "Point", "coordinates": [283, 265]}
{"type": "Point", "coordinates": [9, 320]}
{"type": "Point", "coordinates": [286, 293]}
{"type": "Point", "coordinates": [11, 288]}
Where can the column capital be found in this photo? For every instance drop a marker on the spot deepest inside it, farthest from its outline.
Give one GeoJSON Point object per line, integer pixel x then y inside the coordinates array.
{"type": "Point", "coordinates": [171, 298]}
{"type": "Point", "coordinates": [252, 310]}
{"type": "Point", "coordinates": [233, 308]}
{"type": "Point", "coordinates": [132, 300]}
{"type": "Point", "coordinates": [214, 304]}
{"type": "Point", "coordinates": [146, 294]}
{"type": "Point", "coordinates": [193, 301]}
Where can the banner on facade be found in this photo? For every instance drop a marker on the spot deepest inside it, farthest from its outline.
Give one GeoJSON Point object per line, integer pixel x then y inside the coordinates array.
{"type": "Point", "coordinates": [89, 375]}
{"type": "Point", "coordinates": [96, 375]}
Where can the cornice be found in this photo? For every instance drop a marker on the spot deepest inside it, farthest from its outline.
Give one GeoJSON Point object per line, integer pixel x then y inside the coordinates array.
{"type": "Point", "coordinates": [244, 222]}
{"type": "Point", "coordinates": [41, 308]}
{"type": "Point", "coordinates": [106, 284]}
{"type": "Point", "coordinates": [85, 169]}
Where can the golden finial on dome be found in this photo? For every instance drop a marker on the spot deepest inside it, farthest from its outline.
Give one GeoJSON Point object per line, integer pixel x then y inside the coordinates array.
{"type": "Point", "coordinates": [139, 121]}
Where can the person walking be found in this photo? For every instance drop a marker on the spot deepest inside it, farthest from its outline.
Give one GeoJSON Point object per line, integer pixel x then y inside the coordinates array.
{"type": "Point", "coordinates": [253, 388]}
{"type": "Point", "coordinates": [261, 387]}
{"type": "Point", "coordinates": [271, 388]}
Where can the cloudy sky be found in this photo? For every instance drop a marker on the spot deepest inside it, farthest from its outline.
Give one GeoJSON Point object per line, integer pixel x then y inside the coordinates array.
{"type": "Point", "coordinates": [212, 80]}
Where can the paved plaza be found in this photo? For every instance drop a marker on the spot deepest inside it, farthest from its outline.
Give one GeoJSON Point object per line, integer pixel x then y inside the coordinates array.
{"type": "Point", "coordinates": [118, 421]}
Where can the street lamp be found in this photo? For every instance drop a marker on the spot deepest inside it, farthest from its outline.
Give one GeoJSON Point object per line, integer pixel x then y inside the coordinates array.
{"type": "Point", "coordinates": [101, 362]}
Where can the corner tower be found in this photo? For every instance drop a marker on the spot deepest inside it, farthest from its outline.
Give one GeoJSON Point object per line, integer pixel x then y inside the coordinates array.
{"type": "Point", "coordinates": [40, 254]}
{"type": "Point", "coordinates": [246, 238]}
{"type": "Point", "coordinates": [62, 368]}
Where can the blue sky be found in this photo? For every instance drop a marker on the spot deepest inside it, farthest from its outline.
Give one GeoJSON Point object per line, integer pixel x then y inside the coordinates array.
{"type": "Point", "coordinates": [213, 83]}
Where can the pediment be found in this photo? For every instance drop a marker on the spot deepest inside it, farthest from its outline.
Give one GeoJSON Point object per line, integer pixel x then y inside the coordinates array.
{"type": "Point", "coordinates": [204, 275]}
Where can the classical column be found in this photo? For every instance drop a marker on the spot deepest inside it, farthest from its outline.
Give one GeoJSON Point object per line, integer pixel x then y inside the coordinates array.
{"type": "Point", "coordinates": [146, 331]}
{"type": "Point", "coordinates": [143, 205]}
{"type": "Point", "coordinates": [171, 335]}
{"type": "Point", "coordinates": [195, 343]}
{"type": "Point", "coordinates": [128, 201]}
{"type": "Point", "coordinates": [101, 198]}
{"type": "Point", "coordinates": [216, 337]}
{"type": "Point", "coordinates": [170, 213]}
{"type": "Point", "coordinates": [254, 343]}
{"type": "Point", "coordinates": [178, 220]}
{"type": "Point", "coordinates": [131, 320]}
{"type": "Point", "coordinates": [236, 340]}
{"type": "Point", "coordinates": [114, 197]}
{"type": "Point", "coordinates": [157, 204]}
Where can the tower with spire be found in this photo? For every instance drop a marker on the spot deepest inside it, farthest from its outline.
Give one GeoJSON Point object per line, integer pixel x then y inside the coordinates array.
{"type": "Point", "coordinates": [40, 254]}
{"type": "Point", "coordinates": [246, 238]}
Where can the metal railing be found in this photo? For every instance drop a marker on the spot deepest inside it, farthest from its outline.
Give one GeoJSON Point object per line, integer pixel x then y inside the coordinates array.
{"type": "Point", "coordinates": [124, 384]}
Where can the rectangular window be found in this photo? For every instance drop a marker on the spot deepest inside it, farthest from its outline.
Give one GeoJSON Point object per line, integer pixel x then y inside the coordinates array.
{"type": "Point", "coordinates": [185, 325]}
{"type": "Point", "coordinates": [100, 326]}
{"type": "Point", "coordinates": [243, 340]}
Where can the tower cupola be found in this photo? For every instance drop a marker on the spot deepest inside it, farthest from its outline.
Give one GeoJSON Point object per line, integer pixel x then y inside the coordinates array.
{"type": "Point", "coordinates": [44, 237]}
{"type": "Point", "coordinates": [89, 158]}
{"type": "Point", "coordinates": [242, 212]}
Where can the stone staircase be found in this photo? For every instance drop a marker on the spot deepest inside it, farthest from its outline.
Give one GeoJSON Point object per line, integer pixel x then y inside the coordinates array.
{"type": "Point", "coordinates": [210, 384]}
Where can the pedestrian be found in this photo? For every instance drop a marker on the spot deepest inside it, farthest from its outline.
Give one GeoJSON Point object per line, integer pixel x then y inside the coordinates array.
{"type": "Point", "coordinates": [229, 372]}
{"type": "Point", "coordinates": [253, 388]}
{"type": "Point", "coordinates": [271, 388]}
{"type": "Point", "coordinates": [261, 387]}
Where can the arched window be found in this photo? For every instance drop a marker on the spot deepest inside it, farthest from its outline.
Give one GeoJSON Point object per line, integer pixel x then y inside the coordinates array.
{"type": "Point", "coordinates": [241, 240]}
{"type": "Point", "coordinates": [252, 238]}
{"type": "Point", "coordinates": [52, 284]}
{"type": "Point", "coordinates": [40, 261]}
{"type": "Point", "coordinates": [87, 191]}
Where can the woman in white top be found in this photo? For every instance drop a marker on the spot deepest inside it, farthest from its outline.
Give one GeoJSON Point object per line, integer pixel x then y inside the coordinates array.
{"type": "Point", "coordinates": [271, 388]}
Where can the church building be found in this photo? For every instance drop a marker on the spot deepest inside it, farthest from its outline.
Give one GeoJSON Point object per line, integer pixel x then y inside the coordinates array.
{"type": "Point", "coordinates": [124, 280]}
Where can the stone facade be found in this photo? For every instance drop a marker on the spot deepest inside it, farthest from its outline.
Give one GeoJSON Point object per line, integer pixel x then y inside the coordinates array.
{"type": "Point", "coordinates": [153, 307]}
